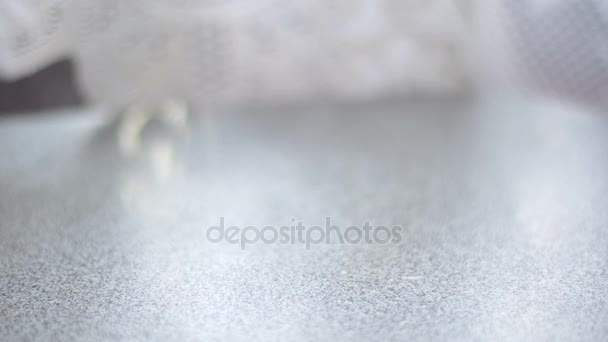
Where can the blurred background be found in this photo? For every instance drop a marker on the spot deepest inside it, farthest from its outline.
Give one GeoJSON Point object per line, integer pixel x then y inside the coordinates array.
{"type": "Point", "coordinates": [56, 53]}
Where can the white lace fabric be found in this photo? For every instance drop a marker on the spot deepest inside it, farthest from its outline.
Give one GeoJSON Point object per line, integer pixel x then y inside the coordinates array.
{"type": "Point", "coordinates": [241, 51]}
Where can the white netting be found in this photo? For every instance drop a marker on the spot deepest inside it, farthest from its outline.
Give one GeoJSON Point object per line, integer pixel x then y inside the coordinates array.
{"type": "Point", "coordinates": [242, 51]}
{"type": "Point", "coordinates": [562, 47]}
{"type": "Point", "coordinates": [555, 47]}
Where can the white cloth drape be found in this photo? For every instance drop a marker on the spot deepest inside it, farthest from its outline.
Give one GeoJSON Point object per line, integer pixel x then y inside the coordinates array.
{"type": "Point", "coordinates": [242, 51]}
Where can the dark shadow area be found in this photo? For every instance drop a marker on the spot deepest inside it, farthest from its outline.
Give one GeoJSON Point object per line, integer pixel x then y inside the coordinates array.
{"type": "Point", "coordinates": [50, 88]}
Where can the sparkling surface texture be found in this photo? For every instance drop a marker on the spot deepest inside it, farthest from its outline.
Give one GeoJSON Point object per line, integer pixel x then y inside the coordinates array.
{"type": "Point", "coordinates": [505, 216]}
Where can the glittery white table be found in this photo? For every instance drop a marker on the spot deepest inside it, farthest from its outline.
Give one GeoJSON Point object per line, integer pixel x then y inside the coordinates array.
{"type": "Point", "coordinates": [504, 209]}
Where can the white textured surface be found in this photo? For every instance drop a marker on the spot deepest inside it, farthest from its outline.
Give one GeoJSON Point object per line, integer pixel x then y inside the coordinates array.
{"type": "Point", "coordinates": [505, 214]}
